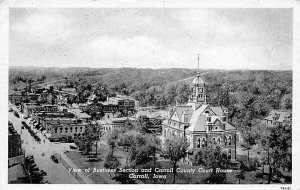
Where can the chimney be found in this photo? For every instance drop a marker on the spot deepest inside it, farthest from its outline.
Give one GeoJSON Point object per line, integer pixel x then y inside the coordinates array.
{"type": "Point", "coordinates": [170, 112]}
{"type": "Point", "coordinates": [226, 112]}
{"type": "Point", "coordinates": [223, 118]}
{"type": "Point", "coordinates": [185, 115]}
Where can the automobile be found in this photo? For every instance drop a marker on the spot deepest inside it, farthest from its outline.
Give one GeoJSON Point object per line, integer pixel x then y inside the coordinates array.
{"type": "Point", "coordinates": [43, 172]}
{"type": "Point", "coordinates": [29, 156]}
{"type": "Point", "coordinates": [54, 158]}
{"type": "Point", "coordinates": [30, 161]}
{"type": "Point", "coordinates": [16, 114]}
{"type": "Point", "coordinates": [73, 147]}
{"type": "Point", "coordinates": [35, 169]}
{"type": "Point", "coordinates": [10, 110]}
{"type": "Point", "coordinates": [33, 165]}
{"type": "Point", "coordinates": [37, 173]}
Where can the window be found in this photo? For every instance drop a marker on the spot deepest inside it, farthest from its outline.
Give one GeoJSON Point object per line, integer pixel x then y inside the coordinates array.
{"type": "Point", "coordinates": [203, 142]}
{"type": "Point", "coordinates": [229, 153]}
{"type": "Point", "coordinates": [213, 140]}
{"type": "Point", "coordinates": [61, 130]}
{"type": "Point", "coordinates": [229, 140]}
{"type": "Point", "coordinates": [55, 130]}
{"type": "Point", "coordinates": [185, 118]}
{"type": "Point", "coordinates": [209, 119]}
{"type": "Point", "coordinates": [219, 140]}
{"type": "Point", "coordinates": [225, 141]}
{"type": "Point", "coordinates": [76, 129]}
{"type": "Point", "coordinates": [71, 129]}
{"type": "Point", "coordinates": [198, 142]}
{"type": "Point", "coordinates": [201, 90]}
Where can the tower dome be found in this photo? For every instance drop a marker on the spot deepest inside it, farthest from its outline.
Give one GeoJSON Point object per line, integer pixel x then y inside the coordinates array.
{"type": "Point", "coordinates": [197, 79]}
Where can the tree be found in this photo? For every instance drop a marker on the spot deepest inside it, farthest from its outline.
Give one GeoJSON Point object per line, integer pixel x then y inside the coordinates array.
{"type": "Point", "coordinates": [280, 145]}
{"type": "Point", "coordinates": [113, 139]}
{"type": "Point", "coordinates": [175, 149]}
{"type": "Point", "coordinates": [92, 134]}
{"type": "Point", "coordinates": [241, 173]}
{"type": "Point", "coordinates": [111, 162]}
{"type": "Point", "coordinates": [213, 157]}
{"type": "Point", "coordinates": [286, 101]}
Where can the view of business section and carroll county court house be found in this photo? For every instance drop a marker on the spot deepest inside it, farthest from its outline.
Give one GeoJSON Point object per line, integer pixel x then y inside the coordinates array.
{"type": "Point", "coordinates": [150, 96]}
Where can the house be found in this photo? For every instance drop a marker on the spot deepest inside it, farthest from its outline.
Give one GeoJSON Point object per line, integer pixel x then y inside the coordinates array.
{"type": "Point", "coordinates": [16, 97]}
{"type": "Point", "coordinates": [277, 116]}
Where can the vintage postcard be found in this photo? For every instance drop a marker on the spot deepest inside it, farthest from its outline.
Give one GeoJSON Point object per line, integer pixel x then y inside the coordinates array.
{"type": "Point", "coordinates": [151, 95]}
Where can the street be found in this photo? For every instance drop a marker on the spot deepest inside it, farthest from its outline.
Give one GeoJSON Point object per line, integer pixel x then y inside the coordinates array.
{"type": "Point", "coordinates": [56, 173]}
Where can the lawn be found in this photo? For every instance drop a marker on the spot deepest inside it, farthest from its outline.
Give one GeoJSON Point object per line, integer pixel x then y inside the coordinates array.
{"type": "Point", "coordinates": [82, 161]}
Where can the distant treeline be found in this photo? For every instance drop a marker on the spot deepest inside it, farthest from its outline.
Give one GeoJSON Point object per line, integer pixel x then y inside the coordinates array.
{"type": "Point", "coordinates": [248, 94]}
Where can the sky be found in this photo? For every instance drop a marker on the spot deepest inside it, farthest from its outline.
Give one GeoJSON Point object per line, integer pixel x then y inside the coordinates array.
{"type": "Point", "coordinates": [152, 38]}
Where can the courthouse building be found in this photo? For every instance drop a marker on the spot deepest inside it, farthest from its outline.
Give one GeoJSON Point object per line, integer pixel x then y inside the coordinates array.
{"type": "Point", "coordinates": [200, 123]}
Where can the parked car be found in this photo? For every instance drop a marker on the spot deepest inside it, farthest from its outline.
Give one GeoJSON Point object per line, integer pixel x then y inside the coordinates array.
{"type": "Point", "coordinates": [35, 169]}
{"type": "Point", "coordinates": [54, 158]}
{"type": "Point", "coordinates": [16, 114]}
{"type": "Point", "coordinates": [43, 172]}
{"type": "Point", "coordinates": [73, 147]}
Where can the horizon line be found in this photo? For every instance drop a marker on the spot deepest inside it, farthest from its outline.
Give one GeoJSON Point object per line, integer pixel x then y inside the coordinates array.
{"type": "Point", "coordinates": [62, 67]}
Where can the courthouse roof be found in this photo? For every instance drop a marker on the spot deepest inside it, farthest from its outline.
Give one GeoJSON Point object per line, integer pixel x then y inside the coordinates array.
{"type": "Point", "coordinates": [179, 111]}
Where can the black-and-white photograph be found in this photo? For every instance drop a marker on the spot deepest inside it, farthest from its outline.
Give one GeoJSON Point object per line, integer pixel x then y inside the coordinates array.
{"type": "Point", "coordinates": [150, 95]}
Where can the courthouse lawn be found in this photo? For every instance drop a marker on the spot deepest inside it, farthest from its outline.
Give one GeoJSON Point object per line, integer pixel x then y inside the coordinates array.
{"type": "Point", "coordinates": [82, 161]}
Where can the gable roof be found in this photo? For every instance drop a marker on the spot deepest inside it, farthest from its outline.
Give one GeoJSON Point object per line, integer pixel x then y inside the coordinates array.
{"type": "Point", "coordinates": [281, 114]}
{"type": "Point", "coordinates": [229, 126]}
{"type": "Point", "coordinates": [217, 110]}
{"type": "Point", "coordinates": [179, 109]}
{"type": "Point", "coordinates": [200, 123]}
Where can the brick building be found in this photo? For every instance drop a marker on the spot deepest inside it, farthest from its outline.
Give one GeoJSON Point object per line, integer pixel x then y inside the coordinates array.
{"type": "Point", "coordinates": [201, 123]}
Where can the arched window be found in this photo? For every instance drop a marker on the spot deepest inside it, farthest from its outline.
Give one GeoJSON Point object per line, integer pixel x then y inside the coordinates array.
{"type": "Point", "coordinates": [55, 129]}
{"type": "Point", "coordinates": [198, 142]}
{"type": "Point", "coordinates": [76, 129]}
{"type": "Point", "coordinates": [219, 140]}
{"type": "Point", "coordinates": [80, 129]}
{"type": "Point", "coordinates": [229, 153]}
{"type": "Point", "coordinates": [229, 140]}
{"type": "Point", "coordinates": [203, 144]}
{"type": "Point", "coordinates": [225, 140]}
{"type": "Point", "coordinates": [213, 140]}
{"type": "Point", "coordinates": [61, 129]}
{"type": "Point", "coordinates": [66, 129]}
{"type": "Point", "coordinates": [75, 135]}
{"type": "Point", "coordinates": [71, 129]}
